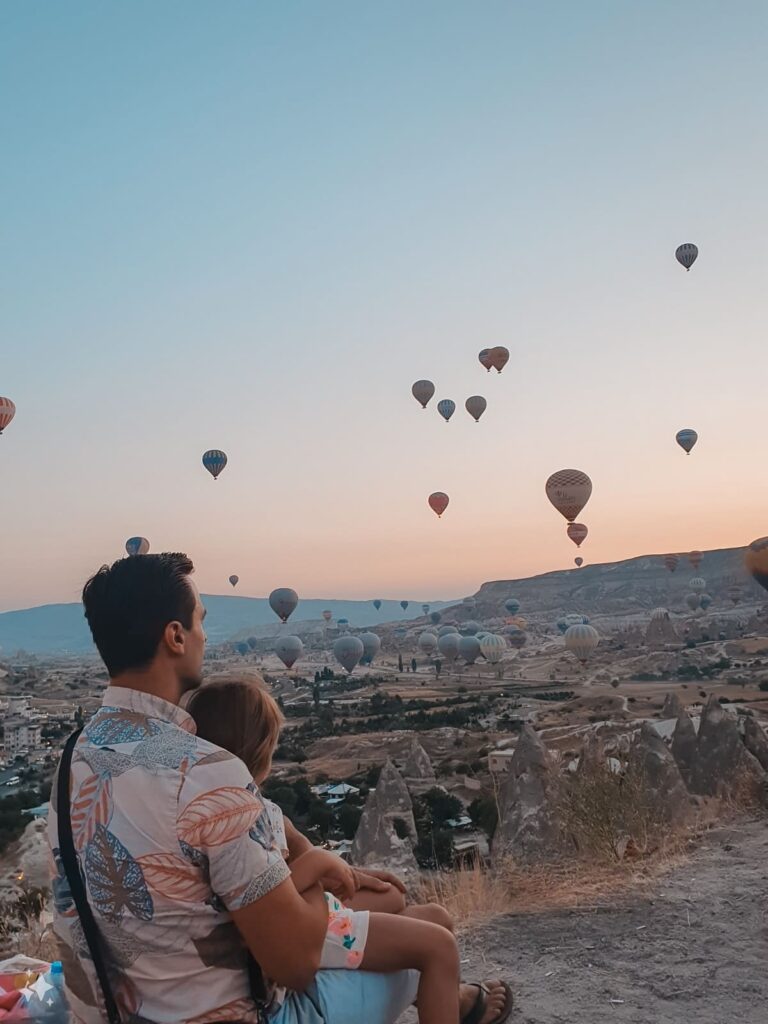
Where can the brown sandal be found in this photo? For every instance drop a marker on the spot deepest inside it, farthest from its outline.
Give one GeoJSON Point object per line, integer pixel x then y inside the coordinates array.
{"type": "Point", "coordinates": [475, 1014]}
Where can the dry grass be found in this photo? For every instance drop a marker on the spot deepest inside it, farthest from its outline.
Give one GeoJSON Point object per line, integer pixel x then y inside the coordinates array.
{"type": "Point", "coordinates": [475, 894]}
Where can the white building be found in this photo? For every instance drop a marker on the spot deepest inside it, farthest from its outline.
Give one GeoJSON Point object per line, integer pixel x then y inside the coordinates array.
{"type": "Point", "coordinates": [18, 707]}
{"type": "Point", "coordinates": [21, 736]}
{"type": "Point", "coordinates": [498, 761]}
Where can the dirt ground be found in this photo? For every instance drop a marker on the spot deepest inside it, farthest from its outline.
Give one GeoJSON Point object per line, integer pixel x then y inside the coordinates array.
{"type": "Point", "coordinates": [694, 948]}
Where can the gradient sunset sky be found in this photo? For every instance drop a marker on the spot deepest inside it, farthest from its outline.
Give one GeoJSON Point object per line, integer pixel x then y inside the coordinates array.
{"type": "Point", "coordinates": [253, 225]}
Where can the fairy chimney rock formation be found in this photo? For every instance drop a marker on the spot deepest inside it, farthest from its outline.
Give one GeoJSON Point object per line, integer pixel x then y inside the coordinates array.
{"type": "Point", "coordinates": [756, 741]}
{"type": "Point", "coordinates": [685, 746]}
{"type": "Point", "coordinates": [387, 830]}
{"type": "Point", "coordinates": [672, 706]}
{"type": "Point", "coordinates": [592, 757]}
{"type": "Point", "coordinates": [724, 766]}
{"type": "Point", "coordinates": [661, 632]}
{"type": "Point", "coordinates": [666, 793]}
{"type": "Point", "coordinates": [418, 769]}
{"type": "Point", "coordinates": [530, 828]}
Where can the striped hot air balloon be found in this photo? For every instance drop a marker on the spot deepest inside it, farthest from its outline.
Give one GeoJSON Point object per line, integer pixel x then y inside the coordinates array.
{"type": "Point", "coordinates": [686, 254]}
{"type": "Point", "coordinates": [214, 461]}
{"type": "Point", "coordinates": [7, 412]}
{"type": "Point", "coordinates": [671, 562]}
{"type": "Point", "coordinates": [137, 546]}
{"type": "Point", "coordinates": [581, 641]}
{"type": "Point", "coordinates": [695, 558]}
{"type": "Point", "coordinates": [687, 438]}
{"type": "Point", "coordinates": [485, 359]}
{"type": "Point", "coordinates": [446, 407]}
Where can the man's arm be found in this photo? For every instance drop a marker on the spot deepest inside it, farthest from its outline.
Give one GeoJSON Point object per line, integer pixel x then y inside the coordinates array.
{"type": "Point", "coordinates": [284, 932]}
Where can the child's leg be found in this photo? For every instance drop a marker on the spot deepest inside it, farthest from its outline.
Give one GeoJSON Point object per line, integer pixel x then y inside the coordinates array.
{"type": "Point", "coordinates": [431, 912]}
{"type": "Point", "coordinates": [390, 902]}
{"type": "Point", "coordinates": [396, 943]}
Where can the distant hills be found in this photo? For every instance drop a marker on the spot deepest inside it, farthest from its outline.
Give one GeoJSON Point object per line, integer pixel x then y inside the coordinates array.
{"type": "Point", "coordinates": [632, 586]}
{"type": "Point", "coordinates": [61, 628]}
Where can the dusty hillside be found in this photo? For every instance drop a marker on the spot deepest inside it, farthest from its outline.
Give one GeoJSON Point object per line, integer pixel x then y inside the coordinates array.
{"type": "Point", "coordinates": [692, 948]}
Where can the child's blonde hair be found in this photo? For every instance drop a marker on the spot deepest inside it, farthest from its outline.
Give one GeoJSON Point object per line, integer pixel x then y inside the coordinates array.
{"type": "Point", "coordinates": [241, 716]}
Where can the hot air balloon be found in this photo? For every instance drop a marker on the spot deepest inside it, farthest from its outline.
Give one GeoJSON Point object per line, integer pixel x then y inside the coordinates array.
{"type": "Point", "coordinates": [671, 562]}
{"type": "Point", "coordinates": [348, 650]}
{"type": "Point", "coordinates": [686, 254]}
{"type": "Point", "coordinates": [659, 615]}
{"type": "Point", "coordinates": [448, 645]}
{"type": "Point", "coordinates": [485, 359]}
{"type": "Point", "coordinates": [492, 648]}
{"type": "Point", "coordinates": [289, 649]}
{"type": "Point", "coordinates": [425, 609]}
{"type": "Point", "coordinates": [283, 602]}
{"type": "Point", "coordinates": [734, 593]}
{"type": "Point", "coordinates": [517, 637]}
{"type": "Point", "coordinates": [693, 601]}
{"type": "Point", "coordinates": [447, 631]}
{"type": "Point", "coordinates": [214, 461]}
{"type": "Point", "coordinates": [446, 408]}
{"type": "Point", "coordinates": [234, 580]}
{"type": "Point", "coordinates": [569, 491]}
{"type": "Point", "coordinates": [574, 619]}
{"type": "Point", "coordinates": [470, 628]}
{"type": "Point", "coordinates": [579, 562]}
{"type": "Point", "coordinates": [695, 558]}
{"type": "Point", "coordinates": [404, 605]}
{"type": "Point", "coordinates": [686, 438]}
{"type": "Point", "coordinates": [756, 561]}
{"type": "Point", "coordinates": [342, 623]}
{"type": "Point", "coordinates": [561, 624]}
{"type": "Point", "coordinates": [476, 406]}
{"type": "Point", "coordinates": [137, 545]}
{"type": "Point", "coordinates": [519, 621]}
{"type": "Point", "coordinates": [427, 642]}
{"type": "Point", "coordinates": [434, 617]}
{"type": "Point", "coordinates": [371, 646]}
{"type": "Point", "coordinates": [706, 601]}
{"type": "Point", "coordinates": [581, 641]}
{"type": "Point", "coordinates": [438, 502]}
{"type": "Point", "coordinates": [377, 604]}
{"type": "Point", "coordinates": [327, 614]}
{"type": "Point", "coordinates": [423, 391]}
{"type": "Point", "coordinates": [697, 585]}
{"type": "Point", "coordinates": [577, 532]}
{"type": "Point", "coordinates": [242, 648]}
{"type": "Point", "coordinates": [7, 412]}
{"type": "Point", "coordinates": [469, 649]}
{"type": "Point", "coordinates": [512, 605]}
{"type": "Point", "coordinates": [499, 357]}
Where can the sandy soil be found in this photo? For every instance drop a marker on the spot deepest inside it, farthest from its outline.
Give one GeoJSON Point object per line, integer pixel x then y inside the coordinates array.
{"type": "Point", "coordinates": [694, 948]}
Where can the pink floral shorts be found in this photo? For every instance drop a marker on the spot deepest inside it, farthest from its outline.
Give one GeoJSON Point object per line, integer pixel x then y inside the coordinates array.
{"type": "Point", "coordinates": [345, 939]}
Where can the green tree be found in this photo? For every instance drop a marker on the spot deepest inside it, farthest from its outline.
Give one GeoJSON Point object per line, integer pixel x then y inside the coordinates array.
{"type": "Point", "coordinates": [348, 817]}
{"type": "Point", "coordinates": [484, 814]}
{"type": "Point", "coordinates": [441, 806]}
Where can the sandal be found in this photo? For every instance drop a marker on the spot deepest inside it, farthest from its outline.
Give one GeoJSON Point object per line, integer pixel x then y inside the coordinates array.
{"type": "Point", "coordinates": [475, 1014]}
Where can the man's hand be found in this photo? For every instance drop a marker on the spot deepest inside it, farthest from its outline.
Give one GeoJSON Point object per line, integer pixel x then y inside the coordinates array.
{"type": "Point", "coordinates": [378, 881]}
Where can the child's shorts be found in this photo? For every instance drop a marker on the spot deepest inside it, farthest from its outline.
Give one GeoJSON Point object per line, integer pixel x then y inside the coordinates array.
{"type": "Point", "coordinates": [345, 939]}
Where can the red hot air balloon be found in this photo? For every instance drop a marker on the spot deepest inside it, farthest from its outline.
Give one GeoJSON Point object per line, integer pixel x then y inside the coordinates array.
{"type": "Point", "coordinates": [438, 502]}
{"type": "Point", "coordinates": [7, 412]}
{"type": "Point", "coordinates": [671, 562]}
{"type": "Point", "coordinates": [695, 558]}
{"type": "Point", "coordinates": [485, 359]}
{"type": "Point", "coordinates": [499, 357]}
{"type": "Point", "coordinates": [577, 532]}
{"type": "Point", "coordinates": [569, 491]}
{"type": "Point", "coordinates": [579, 562]}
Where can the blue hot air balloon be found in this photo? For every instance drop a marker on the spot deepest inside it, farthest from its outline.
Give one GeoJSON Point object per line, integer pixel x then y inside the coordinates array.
{"type": "Point", "coordinates": [377, 604]}
{"type": "Point", "coordinates": [137, 545]}
{"type": "Point", "coordinates": [512, 605]}
{"type": "Point", "coordinates": [446, 408]}
{"type": "Point", "coordinates": [214, 461]}
{"type": "Point", "coordinates": [404, 605]}
{"type": "Point", "coordinates": [687, 438]}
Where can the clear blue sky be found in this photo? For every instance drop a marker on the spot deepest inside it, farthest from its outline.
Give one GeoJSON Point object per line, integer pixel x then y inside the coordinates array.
{"type": "Point", "coordinates": [253, 225]}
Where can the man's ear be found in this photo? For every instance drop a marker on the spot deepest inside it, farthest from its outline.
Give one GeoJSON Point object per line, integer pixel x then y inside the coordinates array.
{"type": "Point", "coordinates": [174, 637]}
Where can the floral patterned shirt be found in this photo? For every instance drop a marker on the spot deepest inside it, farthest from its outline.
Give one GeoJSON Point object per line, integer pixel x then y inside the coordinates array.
{"type": "Point", "coordinates": [171, 834]}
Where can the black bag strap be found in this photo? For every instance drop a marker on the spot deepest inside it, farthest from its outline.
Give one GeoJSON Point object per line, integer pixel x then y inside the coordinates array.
{"type": "Point", "coordinates": [75, 879]}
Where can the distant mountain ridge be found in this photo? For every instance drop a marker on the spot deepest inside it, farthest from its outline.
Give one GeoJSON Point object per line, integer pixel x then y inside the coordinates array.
{"type": "Point", "coordinates": [61, 628]}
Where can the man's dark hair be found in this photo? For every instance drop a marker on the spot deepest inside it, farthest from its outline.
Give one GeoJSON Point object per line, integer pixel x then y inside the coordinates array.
{"type": "Point", "coordinates": [128, 605]}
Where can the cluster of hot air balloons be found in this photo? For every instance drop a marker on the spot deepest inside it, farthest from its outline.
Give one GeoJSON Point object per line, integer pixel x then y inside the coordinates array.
{"type": "Point", "coordinates": [424, 391]}
{"type": "Point", "coordinates": [569, 490]}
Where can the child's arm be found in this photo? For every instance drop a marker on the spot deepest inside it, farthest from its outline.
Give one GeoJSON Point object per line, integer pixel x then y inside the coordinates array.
{"type": "Point", "coordinates": [297, 843]}
{"type": "Point", "coordinates": [329, 870]}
